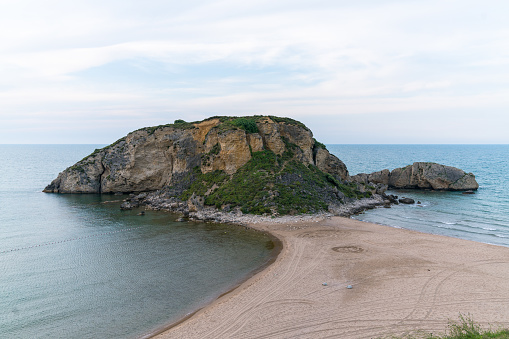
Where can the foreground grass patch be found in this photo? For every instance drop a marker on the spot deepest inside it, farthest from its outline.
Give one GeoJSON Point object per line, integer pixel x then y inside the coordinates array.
{"type": "Point", "coordinates": [464, 328]}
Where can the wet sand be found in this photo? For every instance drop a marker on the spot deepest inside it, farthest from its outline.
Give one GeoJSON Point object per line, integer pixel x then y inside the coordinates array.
{"type": "Point", "coordinates": [402, 282]}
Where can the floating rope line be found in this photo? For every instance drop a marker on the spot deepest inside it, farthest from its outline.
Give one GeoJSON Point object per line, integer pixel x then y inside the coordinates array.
{"type": "Point", "coordinates": [67, 240]}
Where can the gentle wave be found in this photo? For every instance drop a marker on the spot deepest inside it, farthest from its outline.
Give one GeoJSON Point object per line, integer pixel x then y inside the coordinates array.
{"type": "Point", "coordinates": [479, 217]}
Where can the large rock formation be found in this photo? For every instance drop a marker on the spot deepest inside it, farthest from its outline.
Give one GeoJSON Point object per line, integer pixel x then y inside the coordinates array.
{"type": "Point", "coordinates": [261, 165]}
{"type": "Point", "coordinates": [422, 175]}
{"type": "Point", "coordinates": [152, 158]}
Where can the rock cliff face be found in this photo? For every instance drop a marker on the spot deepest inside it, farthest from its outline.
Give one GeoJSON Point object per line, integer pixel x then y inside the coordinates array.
{"type": "Point", "coordinates": [152, 158]}
{"type": "Point", "coordinates": [259, 165]}
{"type": "Point", "coordinates": [422, 175]}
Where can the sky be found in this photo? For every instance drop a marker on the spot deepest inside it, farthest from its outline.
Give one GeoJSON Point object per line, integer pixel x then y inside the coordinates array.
{"type": "Point", "coordinates": [375, 72]}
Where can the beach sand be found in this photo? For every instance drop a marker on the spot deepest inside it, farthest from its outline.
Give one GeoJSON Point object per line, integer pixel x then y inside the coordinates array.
{"type": "Point", "coordinates": [402, 281]}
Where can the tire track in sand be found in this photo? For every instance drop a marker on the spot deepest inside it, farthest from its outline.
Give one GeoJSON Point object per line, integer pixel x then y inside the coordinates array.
{"type": "Point", "coordinates": [276, 287]}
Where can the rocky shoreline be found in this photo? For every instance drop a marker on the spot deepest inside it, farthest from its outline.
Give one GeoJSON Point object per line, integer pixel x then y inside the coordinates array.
{"type": "Point", "coordinates": [195, 210]}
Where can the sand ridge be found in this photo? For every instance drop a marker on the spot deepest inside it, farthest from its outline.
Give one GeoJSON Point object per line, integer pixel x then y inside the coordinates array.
{"type": "Point", "coordinates": [402, 281]}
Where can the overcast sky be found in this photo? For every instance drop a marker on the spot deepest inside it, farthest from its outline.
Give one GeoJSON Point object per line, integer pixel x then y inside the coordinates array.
{"type": "Point", "coordinates": [428, 71]}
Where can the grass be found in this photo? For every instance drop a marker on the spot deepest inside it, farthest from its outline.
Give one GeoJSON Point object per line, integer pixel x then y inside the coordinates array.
{"type": "Point", "coordinates": [288, 121]}
{"type": "Point", "coordinates": [203, 182]}
{"type": "Point", "coordinates": [464, 328]}
{"type": "Point", "coordinates": [270, 184]}
{"type": "Point", "coordinates": [248, 187]}
{"type": "Point", "coordinates": [78, 168]}
{"type": "Point", "coordinates": [247, 124]}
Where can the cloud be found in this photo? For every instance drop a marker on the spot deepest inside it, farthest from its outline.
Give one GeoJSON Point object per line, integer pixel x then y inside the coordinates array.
{"type": "Point", "coordinates": [159, 60]}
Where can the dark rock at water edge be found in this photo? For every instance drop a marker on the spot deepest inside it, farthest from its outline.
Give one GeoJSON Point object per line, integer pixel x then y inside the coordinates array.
{"type": "Point", "coordinates": [407, 201]}
{"type": "Point", "coordinates": [422, 175]}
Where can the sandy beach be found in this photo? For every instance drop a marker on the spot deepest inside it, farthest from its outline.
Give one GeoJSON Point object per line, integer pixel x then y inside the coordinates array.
{"type": "Point", "coordinates": [401, 282]}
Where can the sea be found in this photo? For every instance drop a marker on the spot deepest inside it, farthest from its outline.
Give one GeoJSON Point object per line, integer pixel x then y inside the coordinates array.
{"type": "Point", "coordinates": [481, 217]}
{"type": "Point", "coordinates": [76, 266]}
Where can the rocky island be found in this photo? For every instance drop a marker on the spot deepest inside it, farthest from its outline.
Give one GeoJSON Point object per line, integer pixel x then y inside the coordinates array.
{"type": "Point", "coordinates": [263, 165]}
{"type": "Point", "coordinates": [422, 175]}
{"type": "Point", "coordinates": [386, 280]}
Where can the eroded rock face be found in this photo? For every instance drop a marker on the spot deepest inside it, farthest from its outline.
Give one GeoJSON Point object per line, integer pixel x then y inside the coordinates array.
{"type": "Point", "coordinates": [255, 141]}
{"type": "Point", "coordinates": [152, 158]}
{"type": "Point", "coordinates": [330, 164]}
{"type": "Point", "coordinates": [269, 131]}
{"type": "Point", "coordinates": [83, 177]}
{"type": "Point", "coordinates": [302, 138]}
{"type": "Point", "coordinates": [433, 176]}
{"type": "Point", "coordinates": [380, 177]}
{"type": "Point", "coordinates": [235, 151]}
{"type": "Point", "coordinates": [422, 175]}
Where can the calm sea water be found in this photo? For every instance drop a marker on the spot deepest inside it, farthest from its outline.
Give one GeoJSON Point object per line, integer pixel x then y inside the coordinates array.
{"type": "Point", "coordinates": [75, 266]}
{"type": "Point", "coordinates": [482, 217]}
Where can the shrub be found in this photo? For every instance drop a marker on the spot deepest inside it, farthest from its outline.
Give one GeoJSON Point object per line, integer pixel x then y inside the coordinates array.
{"type": "Point", "coordinates": [289, 121]}
{"type": "Point", "coordinates": [247, 124]}
{"type": "Point", "coordinates": [203, 182]}
{"type": "Point", "coordinates": [318, 144]}
{"type": "Point", "coordinates": [465, 328]}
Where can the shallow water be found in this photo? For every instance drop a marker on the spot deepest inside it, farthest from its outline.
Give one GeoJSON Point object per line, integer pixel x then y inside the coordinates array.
{"type": "Point", "coordinates": [75, 266]}
{"type": "Point", "coordinates": [482, 217]}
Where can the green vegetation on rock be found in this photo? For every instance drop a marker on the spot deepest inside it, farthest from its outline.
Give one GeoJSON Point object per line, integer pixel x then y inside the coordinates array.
{"type": "Point", "coordinates": [203, 182]}
{"type": "Point", "coordinates": [78, 168]}
{"type": "Point", "coordinates": [247, 124]}
{"type": "Point", "coordinates": [179, 123]}
{"type": "Point", "coordinates": [289, 121]}
{"type": "Point", "coordinates": [228, 123]}
{"type": "Point", "coordinates": [207, 157]}
{"type": "Point", "coordinates": [319, 144]}
{"type": "Point", "coordinates": [271, 184]}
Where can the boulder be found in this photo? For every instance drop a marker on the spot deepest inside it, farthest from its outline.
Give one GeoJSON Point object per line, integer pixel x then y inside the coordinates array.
{"type": "Point", "coordinates": [361, 178]}
{"type": "Point", "coordinates": [429, 175]}
{"type": "Point", "coordinates": [380, 177]}
{"type": "Point", "coordinates": [195, 203]}
{"type": "Point", "coordinates": [421, 175]}
{"type": "Point", "coordinates": [407, 201]}
{"type": "Point", "coordinates": [330, 164]}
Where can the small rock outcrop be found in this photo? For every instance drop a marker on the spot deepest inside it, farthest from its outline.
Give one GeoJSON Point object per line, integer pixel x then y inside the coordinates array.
{"type": "Point", "coordinates": [422, 175]}
{"type": "Point", "coordinates": [407, 201]}
{"type": "Point", "coordinates": [330, 164]}
{"type": "Point", "coordinates": [380, 177]}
